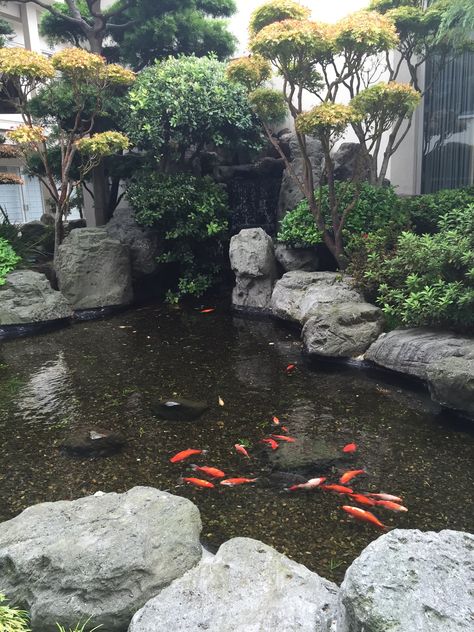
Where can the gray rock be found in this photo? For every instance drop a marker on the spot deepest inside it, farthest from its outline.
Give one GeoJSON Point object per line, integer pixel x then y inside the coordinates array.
{"type": "Point", "coordinates": [93, 270]}
{"type": "Point", "coordinates": [299, 295]}
{"type": "Point", "coordinates": [253, 261]}
{"type": "Point", "coordinates": [93, 442]}
{"type": "Point", "coordinates": [296, 258]}
{"type": "Point", "coordinates": [411, 351]}
{"type": "Point", "coordinates": [451, 383]}
{"type": "Point", "coordinates": [34, 231]}
{"type": "Point", "coordinates": [290, 192]}
{"type": "Point", "coordinates": [178, 409]}
{"type": "Point", "coordinates": [101, 557]}
{"type": "Point", "coordinates": [142, 242]}
{"type": "Point", "coordinates": [27, 297]}
{"type": "Point", "coordinates": [246, 587]}
{"type": "Point", "coordinates": [342, 330]}
{"type": "Point", "coordinates": [350, 164]}
{"type": "Point", "coordinates": [409, 581]}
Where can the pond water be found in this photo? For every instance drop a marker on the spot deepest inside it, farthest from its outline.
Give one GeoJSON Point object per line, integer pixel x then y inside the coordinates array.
{"type": "Point", "coordinates": [108, 373]}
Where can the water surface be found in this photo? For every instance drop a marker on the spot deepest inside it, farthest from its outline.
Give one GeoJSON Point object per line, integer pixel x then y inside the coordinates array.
{"type": "Point", "coordinates": [107, 373]}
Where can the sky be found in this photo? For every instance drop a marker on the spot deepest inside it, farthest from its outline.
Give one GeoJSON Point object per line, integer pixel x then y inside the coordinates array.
{"type": "Point", "coordinates": [323, 10]}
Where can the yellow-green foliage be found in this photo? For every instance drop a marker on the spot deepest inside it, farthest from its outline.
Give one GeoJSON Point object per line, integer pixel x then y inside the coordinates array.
{"type": "Point", "coordinates": [276, 11]}
{"type": "Point", "coordinates": [27, 135]}
{"type": "Point", "coordinates": [77, 63]}
{"type": "Point", "coordinates": [293, 42]}
{"type": "Point", "coordinates": [11, 619]}
{"type": "Point", "coordinates": [249, 71]}
{"type": "Point", "coordinates": [10, 178]}
{"type": "Point", "coordinates": [117, 75]}
{"type": "Point", "coordinates": [326, 120]}
{"type": "Point", "coordinates": [21, 63]}
{"type": "Point", "coordinates": [103, 144]}
{"type": "Point", "coordinates": [269, 105]}
{"type": "Point", "coordinates": [383, 103]}
{"type": "Point", "coordinates": [366, 32]}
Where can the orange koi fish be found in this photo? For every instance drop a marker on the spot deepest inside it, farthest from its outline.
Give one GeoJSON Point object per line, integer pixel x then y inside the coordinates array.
{"type": "Point", "coordinates": [363, 500]}
{"type": "Point", "coordinates": [284, 428]}
{"type": "Point", "coordinates": [240, 448]}
{"type": "Point", "coordinates": [339, 489]}
{"type": "Point", "coordinates": [348, 476]}
{"type": "Point", "coordinates": [208, 310]}
{"type": "Point", "coordinates": [231, 482]}
{"type": "Point", "coordinates": [184, 454]}
{"type": "Point", "coordinates": [284, 438]}
{"type": "Point", "coordinates": [275, 420]}
{"type": "Point", "coordinates": [272, 443]}
{"type": "Point", "coordinates": [350, 448]}
{"type": "Point", "coordinates": [197, 482]}
{"type": "Point", "coordinates": [209, 471]}
{"type": "Point", "coordinates": [290, 368]}
{"type": "Point", "coordinates": [311, 484]}
{"type": "Point", "coordinates": [365, 516]}
{"type": "Point", "coordinates": [394, 499]}
{"type": "Point", "coordinates": [389, 505]}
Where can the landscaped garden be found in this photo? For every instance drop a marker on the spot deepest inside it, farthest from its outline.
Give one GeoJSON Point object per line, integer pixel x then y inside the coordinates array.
{"type": "Point", "coordinates": [247, 315]}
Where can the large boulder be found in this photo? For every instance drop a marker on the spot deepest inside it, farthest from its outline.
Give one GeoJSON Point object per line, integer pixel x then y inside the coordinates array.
{"type": "Point", "coordinates": [142, 242]}
{"type": "Point", "coordinates": [296, 258]}
{"type": "Point", "coordinates": [246, 587]}
{"type": "Point", "coordinates": [94, 270]}
{"type": "Point", "coordinates": [101, 557]}
{"type": "Point", "coordinates": [342, 330]}
{"type": "Point", "coordinates": [27, 297]}
{"type": "Point", "coordinates": [412, 351]}
{"type": "Point", "coordinates": [253, 262]}
{"type": "Point", "coordinates": [350, 163]}
{"type": "Point", "coordinates": [290, 192]}
{"type": "Point", "coordinates": [298, 295]}
{"type": "Point", "coordinates": [409, 581]}
{"type": "Point", "coordinates": [451, 383]}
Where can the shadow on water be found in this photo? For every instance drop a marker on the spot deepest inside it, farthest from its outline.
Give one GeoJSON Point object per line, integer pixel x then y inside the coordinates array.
{"type": "Point", "coordinates": [108, 373]}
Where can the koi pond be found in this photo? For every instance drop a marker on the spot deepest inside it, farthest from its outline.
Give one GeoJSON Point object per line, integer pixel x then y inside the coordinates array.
{"type": "Point", "coordinates": [110, 374]}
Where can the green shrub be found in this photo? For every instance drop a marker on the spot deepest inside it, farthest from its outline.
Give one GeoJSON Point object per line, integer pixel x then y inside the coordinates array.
{"type": "Point", "coordinates": [426, 210]}
{"type": "Point", "coordinates": [8, 259]}
{"type": "Point", "coordinates": [375, 208]}
{"type": "Point", "coordinates": [11, 619]}
{"type": "Point", "coordinates": [425, 280]}
{"type": "Point", "coordinates": [190, 216]}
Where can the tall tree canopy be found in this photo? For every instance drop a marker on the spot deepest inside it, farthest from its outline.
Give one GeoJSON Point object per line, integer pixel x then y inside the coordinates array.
{"type": "Point", "coordinates": [136, 32]}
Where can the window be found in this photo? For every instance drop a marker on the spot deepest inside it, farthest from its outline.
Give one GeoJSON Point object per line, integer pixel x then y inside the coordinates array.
{"type": "Point", "coordinates": [22, 203]}
{"type": "Point", "coordinates": [448, 144]}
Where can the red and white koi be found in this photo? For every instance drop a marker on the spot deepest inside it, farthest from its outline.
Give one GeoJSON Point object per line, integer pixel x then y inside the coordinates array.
{"type": "Point", "coordinates": [388, 504]}
{"type": "Point", "coordinates": [311, 484]}
{"type": "Point", "coordinates": [241, 449]}
{"type": "Point", "coordinates": [394, 499]}
{"type": "Point", "coordinates": [284, 438]}
{"type": "Point", "coordinates": [232, 482]}
{"type": "Point", "coordinates": [271, 442]}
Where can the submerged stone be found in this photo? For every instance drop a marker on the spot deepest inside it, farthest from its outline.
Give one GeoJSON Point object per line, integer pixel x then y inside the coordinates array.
{"type": "Point", "coordinates": [246, 587]}
{"type": "Point", "coordinates": [179, 409]}
{"type": "Point", "coordinates": [86, 442]}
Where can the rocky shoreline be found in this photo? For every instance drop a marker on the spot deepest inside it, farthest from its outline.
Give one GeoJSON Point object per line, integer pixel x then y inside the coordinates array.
{"type": "Point", "coordinates": [134, 562]}
{"type": "Point", "coordinates": [337, 323]}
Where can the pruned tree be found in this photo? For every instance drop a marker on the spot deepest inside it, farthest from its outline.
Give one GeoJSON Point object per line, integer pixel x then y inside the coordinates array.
{"type": "Point", "coordinates": [87, 80]}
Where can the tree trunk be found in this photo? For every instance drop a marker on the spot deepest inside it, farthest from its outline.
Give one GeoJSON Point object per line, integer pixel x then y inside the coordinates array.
{"type": "Point", "coordinates": [99, 184]}
{"type": "Point", "coordinates": [58, 230]}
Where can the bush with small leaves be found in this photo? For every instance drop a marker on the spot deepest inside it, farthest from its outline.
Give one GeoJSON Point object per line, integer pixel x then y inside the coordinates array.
{"type": "Point", "coordinates": [426, 280]}
{"type": "Point", "coordinates": [276, 11]}
{"type": "Point", "coordinates": [426, 210]}
{"type": "Point", "coordinates": [8, 260]}
{"type": "Point", "coordinates": [190, 216]}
